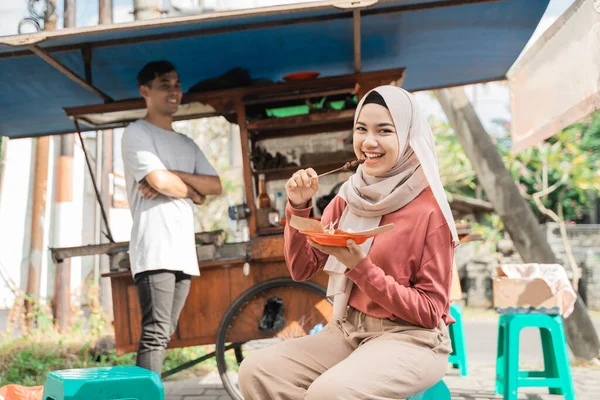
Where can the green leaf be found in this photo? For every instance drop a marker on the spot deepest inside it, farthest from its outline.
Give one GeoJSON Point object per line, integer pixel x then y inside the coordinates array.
{"type": "Point", "coordinates": [580, 159]}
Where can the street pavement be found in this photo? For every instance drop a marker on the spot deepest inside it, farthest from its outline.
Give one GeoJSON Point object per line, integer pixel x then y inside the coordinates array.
{"type": "Point", "coordinates": [481, 334]}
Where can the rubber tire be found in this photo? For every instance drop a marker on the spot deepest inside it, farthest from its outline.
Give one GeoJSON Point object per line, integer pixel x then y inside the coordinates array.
{"type": "Point", "coordinates": [234, 309]}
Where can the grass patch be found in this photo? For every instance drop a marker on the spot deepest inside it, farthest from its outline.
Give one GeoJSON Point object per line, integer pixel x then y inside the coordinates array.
{"type": "Point", "coordinates": [26, 358]}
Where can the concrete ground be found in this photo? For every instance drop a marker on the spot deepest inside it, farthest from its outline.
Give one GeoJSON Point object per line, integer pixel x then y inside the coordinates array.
{"type": "Point", "coordinates": [481, 334]}
{"type": "Point", "coordinates": [478, 385]}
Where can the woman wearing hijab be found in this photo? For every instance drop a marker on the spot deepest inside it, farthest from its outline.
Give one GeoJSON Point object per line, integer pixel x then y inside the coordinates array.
{"type": "Point", "coordinates": [388, 338]}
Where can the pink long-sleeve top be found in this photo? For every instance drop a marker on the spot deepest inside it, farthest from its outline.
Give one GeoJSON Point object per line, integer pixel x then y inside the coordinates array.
{"type": "Point", "coordinates": [408, 271]}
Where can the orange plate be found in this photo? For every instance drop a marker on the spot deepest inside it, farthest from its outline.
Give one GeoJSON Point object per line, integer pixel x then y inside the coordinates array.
{"type": "Point", "coordinates": [301, 75]}
{"type": "Point", "coordinates": [338, 239]}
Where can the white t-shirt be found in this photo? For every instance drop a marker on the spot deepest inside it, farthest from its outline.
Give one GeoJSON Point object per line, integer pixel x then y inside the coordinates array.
{"type": "Point", "coordinates": [162, 236]}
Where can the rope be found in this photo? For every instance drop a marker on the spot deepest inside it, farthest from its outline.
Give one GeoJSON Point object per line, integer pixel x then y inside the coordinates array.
{"type": "Point", "coordinates": [108, 233]}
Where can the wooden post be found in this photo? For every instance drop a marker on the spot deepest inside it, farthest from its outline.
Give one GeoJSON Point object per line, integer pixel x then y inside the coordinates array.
{"type": "Point", "coordinates": [62, 214]}
{"type": "Point", "coordinates": [38, 212]}
{"type": "Point", "coordinates": [356, 27]}
{"type": "Point", "coordinates": [36, 252]}
{"type": "Point", "coordinates": [105, 11]}
{"type": "Point", "coordinates": [63, 211]}
{"type": "Point", "coordinates": [106, 140]}
{"type": "Point", "coordinates": [247, 168]}
{"type": "Point", "coordinates": [147, 9]}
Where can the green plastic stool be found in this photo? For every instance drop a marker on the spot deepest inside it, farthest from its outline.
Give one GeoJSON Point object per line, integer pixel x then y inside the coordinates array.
{"type": "Point", "coordinates": [111, 383]}
{"type": "Point", "coordinates": [458, 357]}
{"type": "Point", "coordinates": [439, 391]}
{"type": "Point", "coordinates": [557, 370]}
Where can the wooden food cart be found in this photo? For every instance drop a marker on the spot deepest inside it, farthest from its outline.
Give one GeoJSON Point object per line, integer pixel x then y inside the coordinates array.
{"type": "Point", "coordinates": [244, 293]}
{"type": "Point", "coordinates": [227, 302]}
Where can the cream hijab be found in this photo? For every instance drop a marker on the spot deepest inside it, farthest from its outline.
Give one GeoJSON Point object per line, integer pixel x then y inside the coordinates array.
{"type": "Point", "coordinates": [370, 198]}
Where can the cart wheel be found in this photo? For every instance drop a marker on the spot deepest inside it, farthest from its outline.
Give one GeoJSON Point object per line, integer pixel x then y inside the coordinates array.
{"type": "Point", "coordinates": [263, 315]}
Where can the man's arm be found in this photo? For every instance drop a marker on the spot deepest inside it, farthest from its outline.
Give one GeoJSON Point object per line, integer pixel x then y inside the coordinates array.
{"type": "Point", "coordinates": [203, 184]}
{"type": "Point", "coordinates": [169, 184]}
{"type": "Point", "coordinates": [141, 157]}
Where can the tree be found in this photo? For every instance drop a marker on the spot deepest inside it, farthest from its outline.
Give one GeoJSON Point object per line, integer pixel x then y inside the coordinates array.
{"type": "Point", "coordinates": [559, 175]}
{"type": "Point", "coordinates": [517, 216]}
{"type": "Point", "coordinates": [456, 171]}
{"type": "Point", "coordinates": [212, 136]}
{"type": "Point", "coordinates": [571, 156]}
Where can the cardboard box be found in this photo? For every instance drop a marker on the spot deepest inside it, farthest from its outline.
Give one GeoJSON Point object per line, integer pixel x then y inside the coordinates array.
{"type": "Point", "coordinates": [455, 289]}
{"type": "Point", "coordinates": [524, 296]}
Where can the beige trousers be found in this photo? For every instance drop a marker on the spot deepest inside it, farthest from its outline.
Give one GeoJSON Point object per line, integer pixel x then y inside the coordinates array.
{"type": "Point", "coordinates": [357, 357]}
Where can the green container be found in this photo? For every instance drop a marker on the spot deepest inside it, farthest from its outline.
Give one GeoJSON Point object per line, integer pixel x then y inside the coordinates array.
{"type": "Point", "coordinates": [439, 391]}
{"type": "Point", "coordinates": [458, 357]}
{"type": "Point", "coordinates": [556, 375]}
{"type": "Point", "coordinates": [110, 383]}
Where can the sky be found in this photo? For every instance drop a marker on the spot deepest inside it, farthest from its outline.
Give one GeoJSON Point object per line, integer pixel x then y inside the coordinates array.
{"type": "Point", "coordinates": [491, 100]}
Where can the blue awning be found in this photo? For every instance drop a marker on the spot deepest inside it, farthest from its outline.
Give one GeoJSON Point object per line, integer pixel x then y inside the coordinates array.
{"type": "Point", "coordinates": [440, 43]}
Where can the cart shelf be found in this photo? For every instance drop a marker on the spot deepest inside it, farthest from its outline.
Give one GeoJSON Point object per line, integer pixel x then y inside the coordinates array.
{"type": "Point", "coordinates": [301, 121]}
{"type": "Point", "coordinates": [287, 172]}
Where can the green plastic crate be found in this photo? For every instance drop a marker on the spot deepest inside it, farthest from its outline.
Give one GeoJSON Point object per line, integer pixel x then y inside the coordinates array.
{"type": "Point", "coordinates": [110, 383]}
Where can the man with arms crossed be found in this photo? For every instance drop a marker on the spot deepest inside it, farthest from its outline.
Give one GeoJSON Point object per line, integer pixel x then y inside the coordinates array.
{"type": "Point", "coordinates": [165, 174]}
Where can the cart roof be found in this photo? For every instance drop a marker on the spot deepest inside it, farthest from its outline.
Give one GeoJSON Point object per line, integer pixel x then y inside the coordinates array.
{"type": "Point", "coordinates": [441, 43]}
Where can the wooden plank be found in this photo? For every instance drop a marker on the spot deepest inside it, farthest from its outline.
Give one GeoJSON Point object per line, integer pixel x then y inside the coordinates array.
{"type": "Point", "coordinates": [278, 269]}
{"type": "Point", "coordinates": [302, 120]}
{"type": "Point", "coordinates": [139, 104]}
{"type": "Point", "coordinates": [86, 54]}
{"type": "Point", "coordinates": [356, 39]}
{"type": "Point", "coordinates": [239, 283]}
{"type": "Point", "coordinates": [229, 98]}
{"type": "Point", "coordinates": [275, 269]}
{"type": "Point", "coordinates": [224, 263]}
{"type": "Point", "coordinates": [272, 230]}
{"type": "Point", "coordinates": [68, 73]}
{"type": "Point", "coordinates": [111, 248]}
{"type": "Point", "coordinates": [298, 95]}
{"type": "Point", "coordinates": [210, 296]}
{"type": "Point", "coordinates": [121, 314]}
{"type": "Point", "coordinates": [246, 165]}
{"type": "Point", "coordinates": [135, 313]}
{"type": "Point", "coordinates": [472, 237]}
{"type": "Point", "coordinates": [206, 304]}
{"type": "Point", "coordinates": [267, 248]}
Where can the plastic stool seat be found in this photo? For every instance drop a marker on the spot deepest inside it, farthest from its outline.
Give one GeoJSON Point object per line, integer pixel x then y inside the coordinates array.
{"type": "Point", "coordinates": [439, 391]}
{"type": "Point", "coordinates": [110, 383]}
{"type": "Point", "coordinates": [557, 371]}
{"type": "Point", "coordinates": [458, 357]}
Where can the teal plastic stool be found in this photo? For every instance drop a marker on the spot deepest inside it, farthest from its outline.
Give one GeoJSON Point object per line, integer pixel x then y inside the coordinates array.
{"type": "Point", "coordinates": [112, 383]}
{"type": "Point", "coordinates": [439, 391]}
{"type": "Point", "coordinates": [458, 357]}
{"type": "Point", "coordinates": [557, 370]}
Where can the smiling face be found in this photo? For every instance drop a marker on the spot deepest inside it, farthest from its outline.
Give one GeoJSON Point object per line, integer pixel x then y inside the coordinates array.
{"type": "Point", "coordinates": [163, 94]}
{"type": "Point", "coordinates": [375, 139]}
